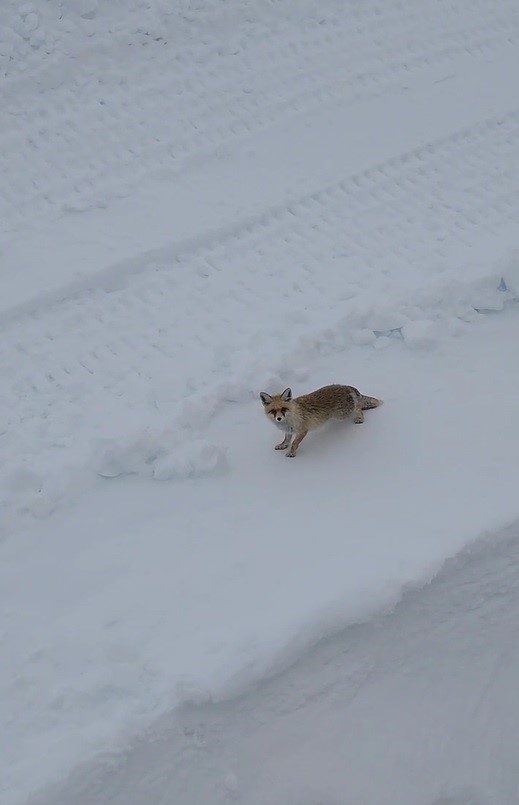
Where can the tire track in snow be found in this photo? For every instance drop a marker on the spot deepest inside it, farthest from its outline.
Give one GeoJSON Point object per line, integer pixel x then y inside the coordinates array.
{"type": "Point", "coordinates": [103, 137]}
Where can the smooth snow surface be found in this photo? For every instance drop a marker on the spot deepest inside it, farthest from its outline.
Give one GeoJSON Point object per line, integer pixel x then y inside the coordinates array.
{"type": "Point", "coordinates": [202, 200]}
{"type": "Point", "coordinates": [419, 707]}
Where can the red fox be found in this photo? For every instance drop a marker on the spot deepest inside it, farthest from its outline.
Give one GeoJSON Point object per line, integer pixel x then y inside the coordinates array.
{"type": "Point", "coordinates": [296, 416]}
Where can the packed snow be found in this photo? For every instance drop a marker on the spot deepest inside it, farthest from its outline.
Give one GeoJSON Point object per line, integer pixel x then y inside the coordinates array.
{"type": "Point", "coordinates": [202, 201]}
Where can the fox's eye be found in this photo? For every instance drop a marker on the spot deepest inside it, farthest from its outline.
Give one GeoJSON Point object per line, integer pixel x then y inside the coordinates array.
{"type": "Point", "coordinates": [284, 410]}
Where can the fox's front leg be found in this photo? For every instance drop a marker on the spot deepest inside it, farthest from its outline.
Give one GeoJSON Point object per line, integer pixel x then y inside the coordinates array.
{"type": "Point", "coordinates": [285, 443]}
{"type": "Point", "coordinates": [358, 415]}
{"type": "Point", "coordinates": [295, 444]}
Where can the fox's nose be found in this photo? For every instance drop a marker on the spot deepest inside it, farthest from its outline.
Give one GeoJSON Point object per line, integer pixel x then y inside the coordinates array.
{"type": "Point", "coordinates": [279, 419]}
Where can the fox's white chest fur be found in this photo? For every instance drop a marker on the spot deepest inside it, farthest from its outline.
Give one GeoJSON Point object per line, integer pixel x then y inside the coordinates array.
{"type": "Point", "coordinates": [286, 425]}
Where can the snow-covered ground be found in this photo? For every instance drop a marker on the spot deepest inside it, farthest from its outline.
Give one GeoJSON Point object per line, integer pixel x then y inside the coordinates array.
{"type": "Point", "coordinates": [201, 201]}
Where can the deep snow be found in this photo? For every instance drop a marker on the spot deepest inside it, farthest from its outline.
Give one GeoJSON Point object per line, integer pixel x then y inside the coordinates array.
{"type": "Point", "coordinates": [200, 203]}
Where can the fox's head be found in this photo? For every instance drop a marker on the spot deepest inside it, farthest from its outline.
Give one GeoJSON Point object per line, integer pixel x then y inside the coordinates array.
{"type": "Point", "coordinates": [278, 406]}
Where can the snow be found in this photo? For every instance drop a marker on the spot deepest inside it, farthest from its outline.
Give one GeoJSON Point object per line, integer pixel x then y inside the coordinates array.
{"type": "Point", "coordinates": [200, 203]}
{"type": "Point", "coordinates": [145, 595]}
{"type": "Point", "coordinates": [417, 706]}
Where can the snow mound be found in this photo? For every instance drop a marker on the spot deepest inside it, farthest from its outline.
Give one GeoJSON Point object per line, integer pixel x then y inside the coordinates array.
{"type": "Point", "coordinates": [419, 334]}
{"type": "Point", "coordinates": [158, 455]}
{"type": "Point", "coordinates": [190, 460]}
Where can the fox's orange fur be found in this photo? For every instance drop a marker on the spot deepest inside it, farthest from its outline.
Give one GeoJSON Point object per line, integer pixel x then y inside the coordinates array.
{"type": "Point", "coordinates": [296, 416]}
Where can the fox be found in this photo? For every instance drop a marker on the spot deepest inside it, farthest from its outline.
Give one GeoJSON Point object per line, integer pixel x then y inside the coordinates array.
{"type": "Point", "coordinates": [296, 416]}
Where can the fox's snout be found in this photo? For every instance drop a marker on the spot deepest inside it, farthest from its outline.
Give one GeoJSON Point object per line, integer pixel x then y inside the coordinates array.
{"type": "Point", "coordinates": [278, 414]}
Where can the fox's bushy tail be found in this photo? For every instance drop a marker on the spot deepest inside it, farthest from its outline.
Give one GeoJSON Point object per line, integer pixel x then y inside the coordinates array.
{"type": "Point", "coordinates": [369, 402]}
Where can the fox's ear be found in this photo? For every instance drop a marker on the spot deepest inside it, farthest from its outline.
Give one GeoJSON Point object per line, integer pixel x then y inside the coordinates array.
{"type": "Point", "coordinates": [265, 398]}
{"type": "Point", "coordinates": [287, 395]}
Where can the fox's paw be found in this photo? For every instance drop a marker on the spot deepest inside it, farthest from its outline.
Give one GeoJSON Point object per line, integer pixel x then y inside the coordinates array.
{"type": "Point", "coordinates": [281, 446]}
{"type": "Point", "coordinates": [359, 419]}
{"type": "Point", "coordinates": [290, 454]}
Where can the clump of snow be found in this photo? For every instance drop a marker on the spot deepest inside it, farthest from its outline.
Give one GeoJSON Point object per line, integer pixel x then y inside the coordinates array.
{"type": "Point", "coordinates": [190, 460]}
{"type": "Point", "coordinates": [231, 784]}
{"type": "Point", "coordinates": [383, 342]}
{"type": "Point", "coordinates": [386, 319]}
{"type": "Point", "coordinates": [363, 337]}
{"type": "Point", "coordinates": [419, 334]}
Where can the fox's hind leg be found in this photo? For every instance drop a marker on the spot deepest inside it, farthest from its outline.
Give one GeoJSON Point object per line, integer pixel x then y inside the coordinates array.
{"type": "Point", "coordinates": [284, 444]}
